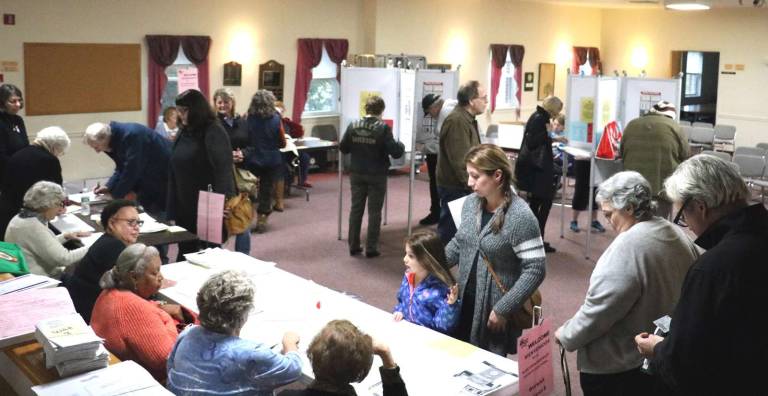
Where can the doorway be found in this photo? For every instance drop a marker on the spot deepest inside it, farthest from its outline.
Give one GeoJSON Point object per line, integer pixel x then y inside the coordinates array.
{"type": "Point", "coordinates": [700, 71]}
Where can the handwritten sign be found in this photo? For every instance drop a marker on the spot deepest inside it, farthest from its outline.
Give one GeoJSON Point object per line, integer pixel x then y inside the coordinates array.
{"type": "Point", "coordinates": [210, 216]}
{"type": "Point", "coordinates": [188, 79]}
{"type": "Point", "coordinates": [534, 351]}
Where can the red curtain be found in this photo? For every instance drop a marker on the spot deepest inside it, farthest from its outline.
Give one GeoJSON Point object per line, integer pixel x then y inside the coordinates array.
{"type": "Point", "coordinates": [162, 53]}
{"type": "Point", "coordinates": [579, 57]}
{"type": "Point", "coordinates": [196, 49]}
{"type": "Point", "coordinates": [516, 54]}
{"type": "Point", "coordinates": [309, 55]}
{"type": "Point", "coordinates": [594, 60]}
{"type": "Point", "coordinates": [337, 50]}
{"type": "Point", "coordinates": [498, 59]}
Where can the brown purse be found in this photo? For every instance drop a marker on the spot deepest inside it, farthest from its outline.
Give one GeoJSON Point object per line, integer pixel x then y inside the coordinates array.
{"type": "Point", "coordinates": [240, 214]}
{"type": "Point", "coordinates": [523, 317]}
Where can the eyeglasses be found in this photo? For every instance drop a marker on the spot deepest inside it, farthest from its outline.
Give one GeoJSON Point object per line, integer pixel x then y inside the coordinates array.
{"type": "Point", "coordinates": [680, 219]}
{"type": "Point", "coordinates": [131, 222]}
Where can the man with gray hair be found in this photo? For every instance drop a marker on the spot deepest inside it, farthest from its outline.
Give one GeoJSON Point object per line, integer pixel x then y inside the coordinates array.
{"type": "Point", "coordinates": [716, 344]}
{"type": "Point", "coordinates": [653, 145]}
{"type": "Point", "coordinates": [141, 162]}
{"type": "Point", "coordinates": [458, 134]}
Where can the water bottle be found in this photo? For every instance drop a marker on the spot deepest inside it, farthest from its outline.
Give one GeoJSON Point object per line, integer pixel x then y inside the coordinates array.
{"type": "Point", "coordinates": [85, 205]}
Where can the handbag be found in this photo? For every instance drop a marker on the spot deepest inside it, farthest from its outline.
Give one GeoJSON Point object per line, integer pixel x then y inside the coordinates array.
{"type": "Point", "coordinates": [245, 181]}
{"type": "Point", "coordinates": [12, 259]}
{"type": "Point", "coordinates": [523, 317]}
{"type": "Point", "coordinates": [240, 214]}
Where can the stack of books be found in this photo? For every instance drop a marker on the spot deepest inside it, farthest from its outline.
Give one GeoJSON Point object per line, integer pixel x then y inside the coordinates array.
{"type": "Point", "coordinates": [70, 345]}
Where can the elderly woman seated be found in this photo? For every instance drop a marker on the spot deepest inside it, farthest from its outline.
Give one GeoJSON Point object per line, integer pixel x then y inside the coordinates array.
{"type": "Point", "coordinates": [120, 219]}
{"type": "Point", "coordinates": [213, 359]}
{"type": "Point", "coordinates": [132, 326]}
{"type": "Point", "coordinates": [636, 281]}
{"type": "Point", "coordinates": [342, 354]}
{"type": "Point", "coordinates": [44, 251]}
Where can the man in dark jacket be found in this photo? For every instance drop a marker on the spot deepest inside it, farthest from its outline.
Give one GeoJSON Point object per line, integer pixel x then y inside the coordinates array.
{"type": "Point", "coordinates": [141, 162]}
{"type": "Point", "coordinates": [370, 142]}
{"type": "Point", "coordinates": [458, 134]}
{"type": "Point", "coordinates": [717, 343]}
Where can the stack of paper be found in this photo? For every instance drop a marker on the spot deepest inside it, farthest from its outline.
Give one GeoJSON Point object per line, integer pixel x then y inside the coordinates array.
{"type": "Point", "coordinates": [70, 345]}
{"type": "Point", "coordinates": [124, 378]}
{"type": "Point", "coordinates": [27, 282]}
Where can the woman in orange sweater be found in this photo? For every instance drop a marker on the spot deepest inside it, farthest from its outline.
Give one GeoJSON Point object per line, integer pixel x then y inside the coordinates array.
{"type": "Point", "coordinates": [134, 327]}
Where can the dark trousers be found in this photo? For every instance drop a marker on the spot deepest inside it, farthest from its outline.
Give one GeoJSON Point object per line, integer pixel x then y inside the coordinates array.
{"type": "Point", "coordinates": [266, 179]}
{"type": "Point", "coordinates": [446, 228]}
{"type": "Point", "coordinates": [540, 208]}
{"type": "Point", "coordinates": [434, 207]}
{"type": "Point", "coordinates": [628, 383]}
{"type": "Point", "coordinates": [372, 188]}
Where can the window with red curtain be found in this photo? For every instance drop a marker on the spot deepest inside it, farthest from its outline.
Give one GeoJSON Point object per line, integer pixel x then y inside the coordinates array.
{"type": "Point", "coordinates": [583, 56]}
{"type": "Point", "coordinates": [163, 50]}
{"type": "Point", "coordinates": [310, 52]}
{"type": "Point", "coordinates": [500, 55]}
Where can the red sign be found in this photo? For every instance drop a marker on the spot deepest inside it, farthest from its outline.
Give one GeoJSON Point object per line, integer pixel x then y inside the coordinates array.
{"type": "Point", "coordinates": [534, 353]}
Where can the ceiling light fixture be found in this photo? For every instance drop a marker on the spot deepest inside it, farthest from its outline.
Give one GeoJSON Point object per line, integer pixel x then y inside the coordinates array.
{"type": "Point", "coordinates": [687, 5]}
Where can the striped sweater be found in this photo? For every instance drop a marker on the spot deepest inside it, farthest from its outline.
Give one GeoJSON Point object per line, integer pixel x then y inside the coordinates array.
{"type": "Point", "coordinates": [517, 255]}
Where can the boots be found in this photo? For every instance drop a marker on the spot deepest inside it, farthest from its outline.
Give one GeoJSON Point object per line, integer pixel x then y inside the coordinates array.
{"type": "Point", "coordinates": [278, 193]}
{"type": "Point", "coordinates": [261, 224]}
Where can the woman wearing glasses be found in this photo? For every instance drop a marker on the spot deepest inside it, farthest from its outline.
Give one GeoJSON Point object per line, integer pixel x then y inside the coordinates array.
{"type": "Point", "coordinates": [636, 281]}
{"type": "Point", "coordinates": [120, 219]}
{"type": "Point", "coordinates": [44, 252]}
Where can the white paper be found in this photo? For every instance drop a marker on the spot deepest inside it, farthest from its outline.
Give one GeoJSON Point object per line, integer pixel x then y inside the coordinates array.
{"type": "Point", "coordinates": [70, 223]}
{"type": "Point", "coordinates": [124, 378]}
{"type": "Point", "coordinates": [91, 197]}
{"type": "Point", "coordinates": [150, 224]}
{"type": "Point", "coordinates": [20, 312]}
{"type": "Point", "coordinates": [27, 282]}
{"type": "Point", "coordinates": [89, 240]}
{"type": "Point", "coordinates": [455, 208]}
{"type": "Point", "coordinates": [176, 228]}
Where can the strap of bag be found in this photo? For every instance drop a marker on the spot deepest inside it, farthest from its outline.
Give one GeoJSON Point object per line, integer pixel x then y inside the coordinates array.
{"type": "Point", "coordinates": [566, 371]}
{"type": "Point", "coordinates": [493, 274]}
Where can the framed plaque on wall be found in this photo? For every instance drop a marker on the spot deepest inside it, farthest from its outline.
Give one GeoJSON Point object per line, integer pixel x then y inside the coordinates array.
{"type": "Point", "coordinates": [271, 78]}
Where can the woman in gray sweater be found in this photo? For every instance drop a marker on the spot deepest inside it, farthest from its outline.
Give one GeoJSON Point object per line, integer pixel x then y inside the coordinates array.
{"type": "Point", "coordinates": [636, 281]}
{"type": "Point", "coordinates": [497, 229]}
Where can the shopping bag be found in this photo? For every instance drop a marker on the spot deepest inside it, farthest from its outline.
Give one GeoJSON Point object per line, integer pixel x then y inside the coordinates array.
{"type": "Point", "coordinates": [12, 259]}
{"type": "Point", "coordinates": [608, 148]}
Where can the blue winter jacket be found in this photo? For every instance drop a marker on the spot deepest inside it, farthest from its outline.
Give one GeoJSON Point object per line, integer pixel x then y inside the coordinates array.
{"type": "Point", "coordinates": [428, 305]}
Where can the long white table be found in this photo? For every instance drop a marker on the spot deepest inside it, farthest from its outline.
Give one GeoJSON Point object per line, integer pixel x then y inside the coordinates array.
{"type": "Point", "coordinates": [431, 363]}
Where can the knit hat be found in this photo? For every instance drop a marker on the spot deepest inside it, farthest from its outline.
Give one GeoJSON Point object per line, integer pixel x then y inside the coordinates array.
{"type": "Point", "coordinates": [664, 108]}
{"type": "Point", "coordinates": [428, 101]}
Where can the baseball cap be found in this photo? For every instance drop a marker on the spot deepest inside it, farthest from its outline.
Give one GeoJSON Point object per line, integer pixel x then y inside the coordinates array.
{"type": "Point", "coordinates": [428, 101]}
{"type": "Point", "coordinates": [664, 108]}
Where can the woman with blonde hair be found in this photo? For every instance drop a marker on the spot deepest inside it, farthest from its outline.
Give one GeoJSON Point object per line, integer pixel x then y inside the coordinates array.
{"type": "Point", "coordinates": [499, 251]}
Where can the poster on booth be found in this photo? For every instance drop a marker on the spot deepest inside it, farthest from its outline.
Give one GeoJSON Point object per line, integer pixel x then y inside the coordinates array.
{"type": "Point", "coordinates": [364, 95]}
{"type": "Point", "coordinates": [534, 353]}
{"type": "Point", "coordinates": [188, 79]}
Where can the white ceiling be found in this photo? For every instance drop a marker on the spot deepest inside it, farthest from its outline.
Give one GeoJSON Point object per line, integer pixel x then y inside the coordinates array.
{"type": "Point", "coordinates": [640, 3]}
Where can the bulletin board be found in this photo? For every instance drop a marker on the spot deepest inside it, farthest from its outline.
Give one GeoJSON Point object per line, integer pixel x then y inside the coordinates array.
{"type": "Point", "coordinates": [63, 78]}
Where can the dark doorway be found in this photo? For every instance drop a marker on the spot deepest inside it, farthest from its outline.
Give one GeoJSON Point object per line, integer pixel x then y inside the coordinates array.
{"type": "Point", "coordinates": [700, 75]}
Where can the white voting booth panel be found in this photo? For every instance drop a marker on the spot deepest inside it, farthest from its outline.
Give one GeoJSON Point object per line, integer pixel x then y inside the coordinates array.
{"type": "Point", "coordinates": [443, 83]}
{"type": "Point", "coordinates": [640, 94]}
{"type": "Point", "coordinates": [429, 360]}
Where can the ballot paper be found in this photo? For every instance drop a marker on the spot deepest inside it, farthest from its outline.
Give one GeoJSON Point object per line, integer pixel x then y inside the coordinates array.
{"type": "Point", "coordinates": [27, 282]}
{"type": "Point", "coordinates": [455, 208]}
{"type": "Point", "coordinates": [20, 312]}
{"type": "Point", "coordinates": [210, 216]}
{"type": "Point", "coordinates": [124, 378]}
{"type": "Point", "coordinates": [70, 223]}
{"type": "Point", "coordinates": [150, 224]}
{"type": "Point", "coordinates": [90, 195]}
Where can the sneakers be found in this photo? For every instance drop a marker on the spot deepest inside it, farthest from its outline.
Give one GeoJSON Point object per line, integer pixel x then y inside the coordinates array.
{"type": "Point", "coordinates": [430, 219]}
{"type": "Point", "coordinates": [355, 251]}
{"type": "Point", "coordinates": [597, 227]}
{"type": "Point", "coordinates": [575, 226]}
{"type": "Point", "coordinates": [305, 185]}
{"type": "Point", "coordinates": [372, 253]}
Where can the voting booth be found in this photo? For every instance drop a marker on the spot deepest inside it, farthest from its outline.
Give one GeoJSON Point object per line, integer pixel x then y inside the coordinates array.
{"type": "Point", "coordinates": [640, 94]}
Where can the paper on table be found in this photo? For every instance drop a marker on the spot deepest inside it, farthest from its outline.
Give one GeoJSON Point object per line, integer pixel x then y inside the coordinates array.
{"type": "Point", "coordinates": [70, 223]}
{"type": "Point", "coordinates": [455, 208]}
{"type": "Point", "coordinates": [452, 347]}
{"type": "Point", "coordinates": [124, 378]}
{"type": "Point", "coordinates": [150, 224]}
{"type": "Point", "coordinates": [89, 240]}
{"type": "Point", "coordinates": [72, 209]}
{"type": "Point", "coordinates": [210, 216]}
{"type": "Point", "coordinates": [91, 196]}
{"type": "Point", "coordinates": [176, 228]}
{"type": "Point", "coordinates": [19, 312]}
{"type": "Point", "coordinates": [26, 282]}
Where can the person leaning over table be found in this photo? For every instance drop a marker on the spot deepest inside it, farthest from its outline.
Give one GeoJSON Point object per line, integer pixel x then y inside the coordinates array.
{"type": "Point", "coordinates": [341, 354]}
{"type": "Point", "coordinates": [497, 229]}
{"type": "Point", "coordinates": [120, 219]}
{"type": "Point", "coordinates": [13, 132]}
{"type": "Point", "coordinates": [212, 359]}
{"type": "Point", "coordinates": [36, 162]}
{"type": "Point", "coordinates": [636, 281]}
{"type": "Point", "coordinates": [201, 157]}
{"type": "Point", "coordinates": [716, 344]}
{"type": "Point", "coordinates": [133, 326]}
{"type": "Point", "coordinates": [43, 250]}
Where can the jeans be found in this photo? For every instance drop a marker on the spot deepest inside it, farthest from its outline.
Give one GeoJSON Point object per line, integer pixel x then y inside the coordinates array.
{"type": "Point", "coordinates": [372, 188]}
{"type": "Point", "coordinates": [243, 243]}
{"type": "Point", "coordinates": [540, 208]}
{"type": "Point", "coordinates": [434, 207]}
{"type": "Point", "coordinates": [446, 228]}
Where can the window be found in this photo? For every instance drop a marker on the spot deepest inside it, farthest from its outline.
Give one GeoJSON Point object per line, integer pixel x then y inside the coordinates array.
{"type": "Point", "coordinates": [586, 68]}
{"type": "Point", "coordinates": [323, 96]}
{"type": "Point", "coordinates": [172, 86]}
{"type": "Point", "coordinates": [506, 98]}
{"type": "Point", "coordinates": [694, 66]}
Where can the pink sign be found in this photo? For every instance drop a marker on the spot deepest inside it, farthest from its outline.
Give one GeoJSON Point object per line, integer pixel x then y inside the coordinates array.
{"type": "Point", "coordinates": [210, 216]}
{"type": "Point", "coordinates": [534, 351]}
{"type": "Point", "coordinates": [187, 79]}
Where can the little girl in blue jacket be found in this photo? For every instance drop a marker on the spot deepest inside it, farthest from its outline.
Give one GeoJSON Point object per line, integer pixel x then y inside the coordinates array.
{"type": "Point", "coordinates": [428, 293]}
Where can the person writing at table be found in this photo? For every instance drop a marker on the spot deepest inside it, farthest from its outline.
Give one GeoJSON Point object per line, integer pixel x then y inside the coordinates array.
{"type": "Point", "coordinates": [44, 252]}
{"type": "Point", "coordinates": [212, 358]}
{"type": "Point", "coordinates": [134, 327]}
{"type": "Point", "coordinates": [342, 354]}
{"type": "Point", "coordinates": [120, 219]}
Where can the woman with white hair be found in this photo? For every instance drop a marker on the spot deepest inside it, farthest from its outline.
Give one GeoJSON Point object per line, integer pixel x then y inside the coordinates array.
{"type": "Point", "coordinates": [636, 281]}
{"type": "Point", "coordinates": [36, 162]}
{"type": "Point", "coordinates": [716, 344]}
{"type": "Point", "coordinates": [212, 359]}
{"type": "Point", "coordinates": [44, 252]}
{"type": "Point", "coordinates": [133, 326]}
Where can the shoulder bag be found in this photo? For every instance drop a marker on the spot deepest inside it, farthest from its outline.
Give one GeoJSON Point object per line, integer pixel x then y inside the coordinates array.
{"type": "Point", "coordinates": [240, 214]}
{"type": "Point", "coordinates": [523, 317]}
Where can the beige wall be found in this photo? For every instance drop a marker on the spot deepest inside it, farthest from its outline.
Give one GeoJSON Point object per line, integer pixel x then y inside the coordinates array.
{"type": "Point", "coordinates": [740, 35]}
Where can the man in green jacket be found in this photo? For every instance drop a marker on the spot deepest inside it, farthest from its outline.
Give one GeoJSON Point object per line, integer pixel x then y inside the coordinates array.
{"type": "Point", "coordinates": [458, 134]}
{"type": "Point", "coordinates": [654, 146]}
